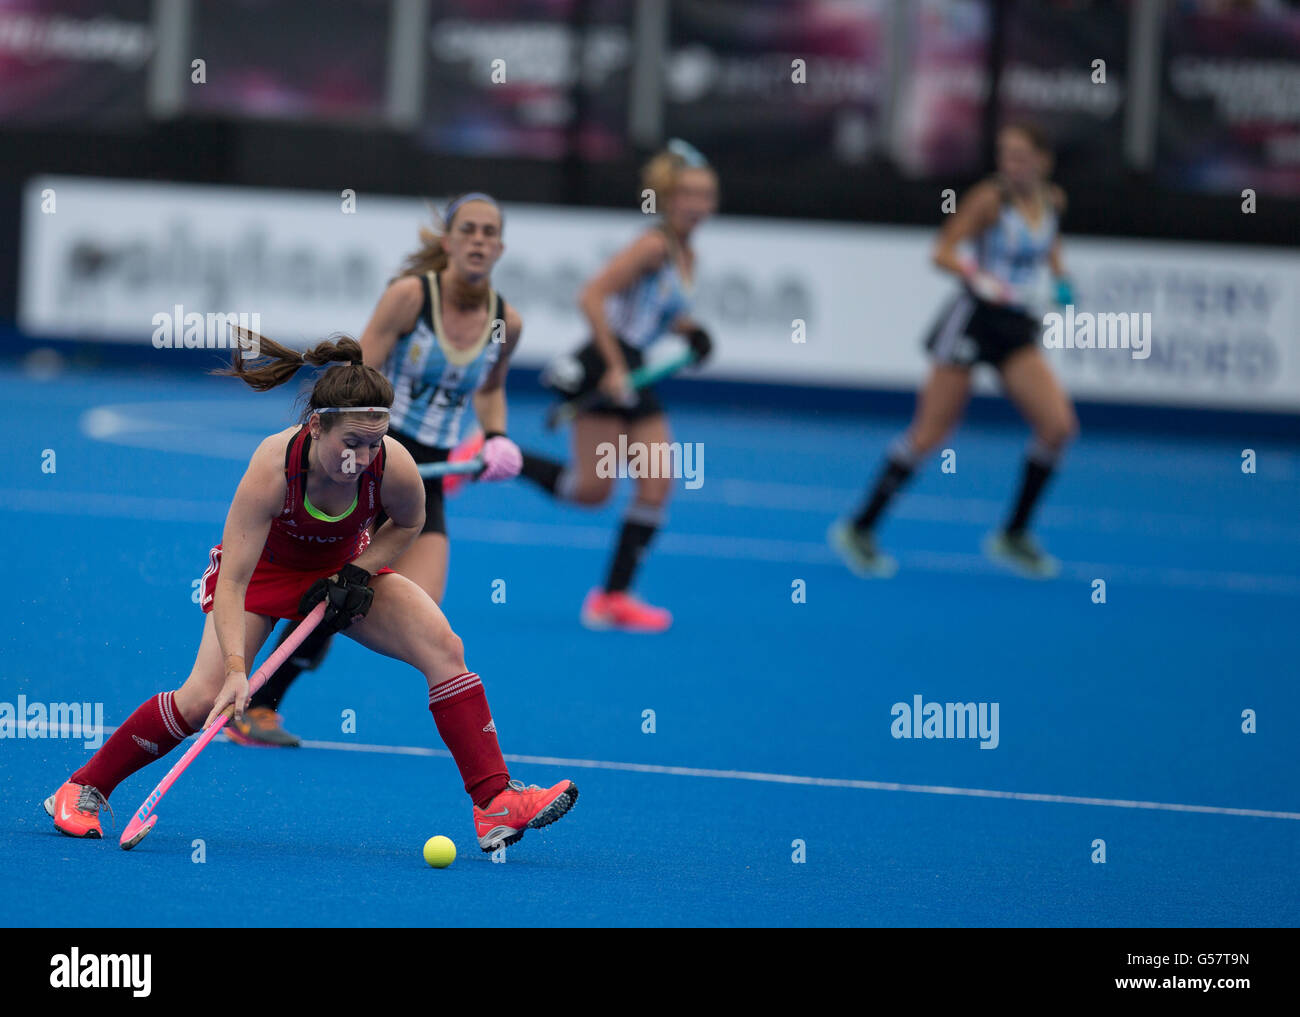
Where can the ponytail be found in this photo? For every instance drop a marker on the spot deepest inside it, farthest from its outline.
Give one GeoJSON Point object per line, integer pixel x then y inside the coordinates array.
{"type": "Point", "coordinates": [431, 257]}
{"type": "Point", "coordinates": [275, 364]}
{"type": "Point", "coordinates": [355, 384]}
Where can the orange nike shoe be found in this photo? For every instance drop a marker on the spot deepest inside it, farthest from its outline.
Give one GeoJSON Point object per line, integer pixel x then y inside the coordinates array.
{"type": "Point", "coordinates": [467, 449]}
{"type": "Point", "coordinates": [517, 808]}
{"type": "Point", "coordinates": [75, 810]}
{"type": "Point", "coordinates": [621, 610]}
{"type": "Point", "coordinates": [261, 726]}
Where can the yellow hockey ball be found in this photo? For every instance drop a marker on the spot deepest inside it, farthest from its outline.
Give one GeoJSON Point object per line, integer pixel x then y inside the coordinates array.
{"type": "Point", "coordinates": [439, 851]}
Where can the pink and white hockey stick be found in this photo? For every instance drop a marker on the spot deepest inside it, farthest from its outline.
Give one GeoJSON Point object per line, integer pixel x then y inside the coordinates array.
{"type": "Point", "coordinates": [143, 821]}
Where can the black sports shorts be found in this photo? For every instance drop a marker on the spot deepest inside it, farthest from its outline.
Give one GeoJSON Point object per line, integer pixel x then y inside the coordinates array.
{"type": "Point", "coordinates": [435, 519]}
{"type": "Point", "coordinates": [971, 331]}
{"type": "Point", "coordinates": [582, 373]}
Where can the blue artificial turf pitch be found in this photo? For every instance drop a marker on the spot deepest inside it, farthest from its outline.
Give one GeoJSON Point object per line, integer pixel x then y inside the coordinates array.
{"type": "Point", "coordinates": [1137, 700]}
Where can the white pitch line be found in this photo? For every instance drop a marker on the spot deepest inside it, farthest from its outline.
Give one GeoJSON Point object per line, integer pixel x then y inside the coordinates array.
{"type": "Point", "coordinates": [391, 750]}
{"type": "Point", "coordinates": [787, 778]}
{"type": "Point", "coordinates": [790, 778]}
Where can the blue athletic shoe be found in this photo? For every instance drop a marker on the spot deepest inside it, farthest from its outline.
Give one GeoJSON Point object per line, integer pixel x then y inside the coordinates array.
{"type": "Point", "coordinates": [1020, 553]}
{"type": "Point", "coordinates": [857, 549]}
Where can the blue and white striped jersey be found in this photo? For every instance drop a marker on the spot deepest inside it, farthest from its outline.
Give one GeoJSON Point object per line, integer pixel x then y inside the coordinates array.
{"type": "Point", "coordinates": [644, 311]}
{"type": "Point", "coordinates": [433, 381]}
{"type": "Point", "coordinates": [1014, 252]}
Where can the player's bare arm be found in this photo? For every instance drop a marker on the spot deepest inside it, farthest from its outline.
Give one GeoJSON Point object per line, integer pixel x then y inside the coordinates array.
{"type": "Point", "coordinates": [404, 502]}
{"type": "Point", "coordinates": [976, 211]}
{"type": "Point", "coordinates": [490, 399]}
{"type": "Point", "coordinates": [393, 316]}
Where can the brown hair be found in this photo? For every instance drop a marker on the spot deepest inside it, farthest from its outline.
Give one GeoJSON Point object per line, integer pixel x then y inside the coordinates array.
{"type": "Point", "coordinates": [355, 384]}
{"type": "Point", "coordinates": [1034, 134]}
{"type": "Point", "coordinates": [431, 257]}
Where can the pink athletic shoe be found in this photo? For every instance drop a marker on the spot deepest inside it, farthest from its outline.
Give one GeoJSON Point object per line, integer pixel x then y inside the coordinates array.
{"type": "Point", "coordinates": [75, 810]}
{"type": "Point", "coordinates": [602, 610]}
{"type": "Point", "coordinates": [518, 808]}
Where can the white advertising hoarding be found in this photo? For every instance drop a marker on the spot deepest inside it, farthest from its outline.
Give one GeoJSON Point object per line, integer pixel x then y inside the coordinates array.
{"type": "Point", "coordinates": [101, 258]}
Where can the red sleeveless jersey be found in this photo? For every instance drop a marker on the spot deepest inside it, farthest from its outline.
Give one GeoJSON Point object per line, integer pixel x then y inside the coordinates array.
{"type": "Point", "coordinates": [300, 540]}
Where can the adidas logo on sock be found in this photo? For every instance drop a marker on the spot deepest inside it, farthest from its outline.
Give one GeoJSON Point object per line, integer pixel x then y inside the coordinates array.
{"type": "Point", "coordinates": [149, 747]}
{"type": "Point", "coordinates": [491, 727]}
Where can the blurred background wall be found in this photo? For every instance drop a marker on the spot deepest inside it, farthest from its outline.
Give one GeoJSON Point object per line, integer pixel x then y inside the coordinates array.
{"type": "Point", "coordinates": [1163, 113]}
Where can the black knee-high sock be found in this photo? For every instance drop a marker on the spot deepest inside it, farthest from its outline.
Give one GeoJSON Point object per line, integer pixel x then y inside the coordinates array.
{"type": "Point", "coordinates": [898, 469]}
{"type": "Point", "coordinates": [307, 657]}
{"type": "Point", "coordinates": [543, 472]}
{"type": "Point", "coordinates": [1040, 461]}
{"type": "Point", "coordinates": [639, 527]}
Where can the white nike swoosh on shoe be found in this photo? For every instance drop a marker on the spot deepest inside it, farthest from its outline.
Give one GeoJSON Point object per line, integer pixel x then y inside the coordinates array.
{"type": "Point", "coordinates": [496, 837]}
{"type": "Point", "coordinates": [493, 815]}
{"type": "Point", "coordinates": [64, 814]}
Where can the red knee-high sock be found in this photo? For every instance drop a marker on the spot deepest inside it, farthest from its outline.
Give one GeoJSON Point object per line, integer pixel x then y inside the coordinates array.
{"type": "Point", "coordinates": [460, 709]}
{"type": "Point", "coordinates": [150, 733]}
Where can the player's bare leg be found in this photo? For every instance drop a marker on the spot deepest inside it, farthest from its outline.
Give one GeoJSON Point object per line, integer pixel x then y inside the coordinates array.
{"type": "Point", "coordinates": [157, 726]}
{"type": "Point", "coordinates": [1035, 390]}
{"type": "Point", "coordinates": [585, 485]}
{"type": "Point", "coordinates": [425, 562]}
{"type": "Point", "coordinates": [405, 623]}
{"type": "Point", "coordinates": [614, 605]}
{"type": "Point", "coordinates": [939, 408]}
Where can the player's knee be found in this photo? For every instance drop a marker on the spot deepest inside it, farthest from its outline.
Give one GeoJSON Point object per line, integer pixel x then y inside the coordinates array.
{"type": "Point", "coordinates": [654, 491]}
{"type": "Point", "coordinates": [450, 647]}
{"type": "Point", "coordinates": [1060, 432]}
{"type": "Point", "coordinates": [594, 491]}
